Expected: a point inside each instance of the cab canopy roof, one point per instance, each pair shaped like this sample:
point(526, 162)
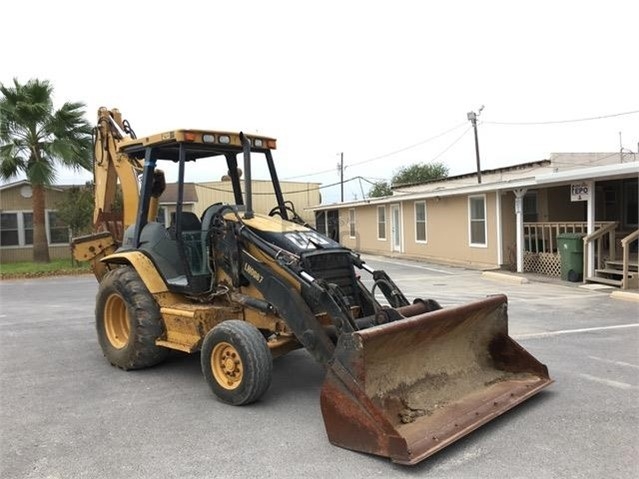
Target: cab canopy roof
point(199, 144)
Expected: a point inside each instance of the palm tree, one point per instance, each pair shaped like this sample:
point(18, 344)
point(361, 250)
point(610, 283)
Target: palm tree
point(35, 139)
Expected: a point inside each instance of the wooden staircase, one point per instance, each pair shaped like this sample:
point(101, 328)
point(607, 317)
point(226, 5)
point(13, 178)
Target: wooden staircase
point(618, 273)
point(612, 274)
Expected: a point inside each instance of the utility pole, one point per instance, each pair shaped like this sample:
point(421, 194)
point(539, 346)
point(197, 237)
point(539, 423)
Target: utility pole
point(472, 116)
point(340, 167)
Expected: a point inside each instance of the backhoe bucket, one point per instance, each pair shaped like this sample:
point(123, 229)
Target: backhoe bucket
point(409, 388)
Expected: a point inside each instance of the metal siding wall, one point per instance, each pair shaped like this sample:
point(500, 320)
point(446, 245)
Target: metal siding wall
point(12, 200)
point(447, 231)
point(303, 196)
point(366, 231)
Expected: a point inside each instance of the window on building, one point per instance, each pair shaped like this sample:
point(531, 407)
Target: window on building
point(477, 220)
point(9, 229)
point(631, 209)
point(381, 222)
point(530, 207)
point(27, 222)
point(351, 222)
point(58, 230)
point(420, 222)
point(16, 229)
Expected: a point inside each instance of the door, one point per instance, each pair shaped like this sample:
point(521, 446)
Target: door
point(396, 229)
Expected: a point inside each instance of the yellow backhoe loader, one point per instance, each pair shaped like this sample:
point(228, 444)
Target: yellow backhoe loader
point(403, 380)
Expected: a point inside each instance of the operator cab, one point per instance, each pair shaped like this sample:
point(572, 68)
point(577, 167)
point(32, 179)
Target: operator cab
point(181, 251)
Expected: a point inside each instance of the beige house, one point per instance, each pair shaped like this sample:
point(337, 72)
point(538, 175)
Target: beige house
point(16, 211)
point(510, 220)
point(16, 223)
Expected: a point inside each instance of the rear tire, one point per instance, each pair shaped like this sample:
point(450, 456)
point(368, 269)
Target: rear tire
point(236, 362)
point(128, 321)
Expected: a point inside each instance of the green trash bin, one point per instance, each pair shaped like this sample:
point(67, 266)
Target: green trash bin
point(571, 251)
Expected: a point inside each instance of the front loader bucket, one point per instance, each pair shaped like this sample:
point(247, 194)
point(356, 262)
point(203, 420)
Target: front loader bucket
point(409, 388)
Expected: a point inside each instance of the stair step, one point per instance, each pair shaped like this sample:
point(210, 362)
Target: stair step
point(632, 266)
point(608, 281)
point(615, 272)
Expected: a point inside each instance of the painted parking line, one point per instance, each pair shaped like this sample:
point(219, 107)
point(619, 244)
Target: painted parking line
point(616, 363)
point(550, 334)
point(609, 382)
point(409, 265)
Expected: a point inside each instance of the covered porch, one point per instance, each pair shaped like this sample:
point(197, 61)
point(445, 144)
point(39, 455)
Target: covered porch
point(601, 212)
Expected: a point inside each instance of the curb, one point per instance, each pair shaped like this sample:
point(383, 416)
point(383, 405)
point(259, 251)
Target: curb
point(625, 295)
point(509, 278)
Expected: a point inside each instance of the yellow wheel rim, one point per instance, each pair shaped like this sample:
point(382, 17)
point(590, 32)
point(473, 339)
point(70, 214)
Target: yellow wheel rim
point(116, 321)
point(226, 365)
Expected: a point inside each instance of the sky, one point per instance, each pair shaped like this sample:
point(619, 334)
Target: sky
point(375, 81)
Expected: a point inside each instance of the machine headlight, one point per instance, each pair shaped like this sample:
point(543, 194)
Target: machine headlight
point(258, 143)
point(224, 139)
point(208, 138)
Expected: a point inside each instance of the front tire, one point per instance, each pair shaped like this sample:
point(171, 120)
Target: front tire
point(128, 321)
point(236, 362)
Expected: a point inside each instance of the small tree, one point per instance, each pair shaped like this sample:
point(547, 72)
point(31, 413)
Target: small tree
point(76, 209)
point(419, 173)
point(379, 189)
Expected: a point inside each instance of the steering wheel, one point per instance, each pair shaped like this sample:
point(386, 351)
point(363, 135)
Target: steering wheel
point(288, 206)
point(277, 212)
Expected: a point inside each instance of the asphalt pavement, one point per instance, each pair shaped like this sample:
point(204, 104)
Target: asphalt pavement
point(66, 413)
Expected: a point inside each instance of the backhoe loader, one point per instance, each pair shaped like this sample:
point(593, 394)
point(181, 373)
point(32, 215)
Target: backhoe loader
point(403, 380)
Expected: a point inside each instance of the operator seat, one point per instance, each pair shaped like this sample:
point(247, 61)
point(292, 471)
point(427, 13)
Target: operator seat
point(191, 240)
point(190, 221)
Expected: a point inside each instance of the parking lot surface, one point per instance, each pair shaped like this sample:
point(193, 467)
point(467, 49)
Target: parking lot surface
point(66, 413)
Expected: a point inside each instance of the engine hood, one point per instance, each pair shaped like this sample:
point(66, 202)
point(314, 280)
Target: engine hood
point(287, 235)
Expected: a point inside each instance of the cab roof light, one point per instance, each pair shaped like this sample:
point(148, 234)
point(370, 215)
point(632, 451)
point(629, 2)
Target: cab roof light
point(271, 144)
point(258, 143)
point(189, 136)
point(224, 139)
point(208, 138)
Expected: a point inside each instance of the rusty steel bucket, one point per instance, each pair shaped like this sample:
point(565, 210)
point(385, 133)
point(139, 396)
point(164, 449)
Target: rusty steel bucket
point(409, 388)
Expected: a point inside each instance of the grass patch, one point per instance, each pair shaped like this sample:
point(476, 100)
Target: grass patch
point(29, 269)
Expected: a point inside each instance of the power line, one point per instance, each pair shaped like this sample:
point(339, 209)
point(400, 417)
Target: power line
point(385, 155)
point(554, 122)
point(308, 174)
point(457, 140)
point(452, 144)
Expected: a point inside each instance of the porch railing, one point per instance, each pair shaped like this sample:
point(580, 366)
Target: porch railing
point(541, 237)
point(625, 244)
point(607, 231)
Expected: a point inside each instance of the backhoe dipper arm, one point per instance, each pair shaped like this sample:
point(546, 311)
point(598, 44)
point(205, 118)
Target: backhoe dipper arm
point(111, 165)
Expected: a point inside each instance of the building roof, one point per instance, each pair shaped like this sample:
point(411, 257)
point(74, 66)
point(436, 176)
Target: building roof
point(561, 168)
point(170, 194)
point(15, 184)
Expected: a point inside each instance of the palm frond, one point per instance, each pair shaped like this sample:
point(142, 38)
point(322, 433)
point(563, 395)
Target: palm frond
point(42, 137)
point(40, 172)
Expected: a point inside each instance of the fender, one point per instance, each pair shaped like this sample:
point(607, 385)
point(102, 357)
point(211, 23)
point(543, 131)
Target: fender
point(144, 267)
